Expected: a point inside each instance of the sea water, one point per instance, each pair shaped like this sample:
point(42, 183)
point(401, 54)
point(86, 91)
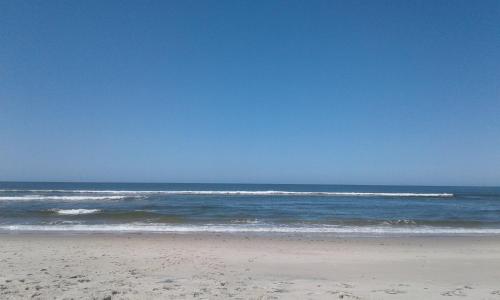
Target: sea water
point(264, 208)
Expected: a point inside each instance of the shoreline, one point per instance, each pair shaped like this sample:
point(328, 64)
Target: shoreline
point(248, 266)
point(263, 235)
point(341, 231)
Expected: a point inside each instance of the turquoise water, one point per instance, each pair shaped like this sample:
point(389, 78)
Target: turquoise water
point(249, 208)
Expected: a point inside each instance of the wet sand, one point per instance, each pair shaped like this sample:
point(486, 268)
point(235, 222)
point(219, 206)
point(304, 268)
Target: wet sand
point(210, 266)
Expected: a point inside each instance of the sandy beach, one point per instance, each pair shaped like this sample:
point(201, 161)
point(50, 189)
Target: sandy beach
point(209, 266)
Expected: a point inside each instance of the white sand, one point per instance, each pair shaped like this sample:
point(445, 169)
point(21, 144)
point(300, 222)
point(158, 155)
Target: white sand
point(205, 266)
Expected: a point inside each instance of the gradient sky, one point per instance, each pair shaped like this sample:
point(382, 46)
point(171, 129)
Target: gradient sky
point(353, 92)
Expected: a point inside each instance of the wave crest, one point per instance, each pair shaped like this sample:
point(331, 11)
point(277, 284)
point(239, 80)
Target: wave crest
point(235, 193)
point(78, 211)
point(59, 198)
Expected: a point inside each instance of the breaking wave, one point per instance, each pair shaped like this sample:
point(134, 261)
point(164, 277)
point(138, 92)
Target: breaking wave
point(233, 193)
point(79, 211)
point(363, 230)
point(59, 198)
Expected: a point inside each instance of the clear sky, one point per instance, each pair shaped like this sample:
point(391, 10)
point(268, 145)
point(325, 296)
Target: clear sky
point(356, 92)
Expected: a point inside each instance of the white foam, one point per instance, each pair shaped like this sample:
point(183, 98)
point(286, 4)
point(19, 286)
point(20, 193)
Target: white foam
point(79, 211)
point(246, 193)
point(59, 198)
point(364, 230)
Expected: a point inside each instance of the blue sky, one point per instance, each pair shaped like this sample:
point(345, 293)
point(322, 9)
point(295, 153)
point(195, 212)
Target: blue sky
point(354, 92)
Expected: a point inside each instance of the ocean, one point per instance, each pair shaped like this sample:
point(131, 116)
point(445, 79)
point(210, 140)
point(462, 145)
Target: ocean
point(262, 208)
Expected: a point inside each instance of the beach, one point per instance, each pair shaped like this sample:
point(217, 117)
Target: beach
point(249, 150)
point(246, 266)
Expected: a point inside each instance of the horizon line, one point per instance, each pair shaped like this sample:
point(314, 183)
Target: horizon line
point(241, 183)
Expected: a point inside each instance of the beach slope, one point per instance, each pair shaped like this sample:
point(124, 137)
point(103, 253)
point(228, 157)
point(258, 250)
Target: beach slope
point(209, 266)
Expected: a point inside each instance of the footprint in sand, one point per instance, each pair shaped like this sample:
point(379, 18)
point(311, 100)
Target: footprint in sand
point(344, 295)
point(455, 292)
point(391, 291)
point(394, 291)
point(345, 285)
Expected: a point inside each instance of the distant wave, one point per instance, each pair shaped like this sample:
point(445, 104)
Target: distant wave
point(70, 198)
point(244, 193)
point(356, 230)
point(79, 211)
